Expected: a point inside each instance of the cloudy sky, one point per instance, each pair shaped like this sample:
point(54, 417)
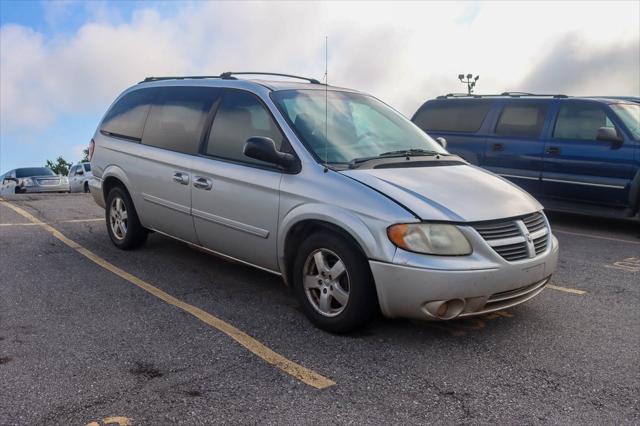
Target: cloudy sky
point(62, 63)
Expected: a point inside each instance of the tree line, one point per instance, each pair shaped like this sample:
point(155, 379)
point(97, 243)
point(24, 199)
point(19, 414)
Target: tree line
point(60, 166)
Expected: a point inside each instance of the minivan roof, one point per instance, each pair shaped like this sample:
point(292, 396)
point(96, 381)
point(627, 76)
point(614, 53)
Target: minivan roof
point(229, 79)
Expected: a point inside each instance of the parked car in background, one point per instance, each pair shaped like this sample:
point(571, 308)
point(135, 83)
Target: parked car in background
point(35, 179)
point(576, 154)
point(358, 213)
point(79, 176)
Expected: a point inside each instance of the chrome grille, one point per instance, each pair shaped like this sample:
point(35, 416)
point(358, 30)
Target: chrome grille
point(535, 222)
point(496, 231)
point(513, 252)
point(517, 238)
point(540, 244)
point(48, 182)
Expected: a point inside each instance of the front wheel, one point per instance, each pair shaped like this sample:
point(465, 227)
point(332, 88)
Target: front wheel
point(123, 224)
point(333, 283)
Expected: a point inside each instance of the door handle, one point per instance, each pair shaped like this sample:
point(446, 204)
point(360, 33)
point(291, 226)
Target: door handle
point(498, 147)
point(553, 150)
point(180, 177)
point(202, 183)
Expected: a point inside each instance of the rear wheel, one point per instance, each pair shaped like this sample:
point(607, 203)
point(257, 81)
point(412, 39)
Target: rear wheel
point(333, 283)
point(123, 225)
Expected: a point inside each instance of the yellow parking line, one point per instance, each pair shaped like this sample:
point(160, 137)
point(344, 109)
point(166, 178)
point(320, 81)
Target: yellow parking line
point(301, 373)
point(99, 219)
point(600, 237)
point(566, 289)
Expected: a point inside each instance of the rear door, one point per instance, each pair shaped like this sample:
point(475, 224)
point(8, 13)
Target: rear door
point(579, 167)
point(514, 148)
point(172, 135)
point(235, 198)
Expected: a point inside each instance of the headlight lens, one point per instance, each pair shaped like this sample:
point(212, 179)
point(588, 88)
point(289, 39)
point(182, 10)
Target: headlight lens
point(430, 238)
point(27, 182)
point(64, 179)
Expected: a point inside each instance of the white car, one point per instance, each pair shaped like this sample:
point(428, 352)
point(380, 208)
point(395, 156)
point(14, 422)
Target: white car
point(79, 176)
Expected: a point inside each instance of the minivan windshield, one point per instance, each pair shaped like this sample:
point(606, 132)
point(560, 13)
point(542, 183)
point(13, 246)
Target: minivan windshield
point(34, 171)
point(630, 114)
point(342, 127)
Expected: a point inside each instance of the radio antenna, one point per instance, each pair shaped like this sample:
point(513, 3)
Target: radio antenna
point(326, 101)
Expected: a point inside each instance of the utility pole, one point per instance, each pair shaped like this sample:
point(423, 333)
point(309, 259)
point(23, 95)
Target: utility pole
point(470, 81)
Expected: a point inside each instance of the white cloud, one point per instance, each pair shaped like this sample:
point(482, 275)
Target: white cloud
point(404, 53)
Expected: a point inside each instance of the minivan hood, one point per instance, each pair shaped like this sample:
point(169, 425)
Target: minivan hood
point(461, 193)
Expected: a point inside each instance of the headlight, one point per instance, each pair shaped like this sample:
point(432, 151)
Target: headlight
point(64, 179)
point(430, 238)
point(27, 182)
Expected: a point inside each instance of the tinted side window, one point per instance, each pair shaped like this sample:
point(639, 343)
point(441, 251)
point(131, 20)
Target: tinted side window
point(240, 116)
point(177, 117)
point(87, 167)
point(522, 120)
point(452, 116)
point(126, 118)
point(580, 122)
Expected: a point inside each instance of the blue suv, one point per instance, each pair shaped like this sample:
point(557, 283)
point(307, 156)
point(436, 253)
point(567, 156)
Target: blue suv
point(577, 154)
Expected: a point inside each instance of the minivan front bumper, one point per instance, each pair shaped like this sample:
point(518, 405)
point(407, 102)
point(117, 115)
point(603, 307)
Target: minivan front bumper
point(417, 292)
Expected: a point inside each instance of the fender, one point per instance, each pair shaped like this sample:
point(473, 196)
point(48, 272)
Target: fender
point(374, 245)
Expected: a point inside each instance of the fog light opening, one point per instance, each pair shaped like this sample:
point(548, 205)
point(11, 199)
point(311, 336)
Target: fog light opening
point(444, 309)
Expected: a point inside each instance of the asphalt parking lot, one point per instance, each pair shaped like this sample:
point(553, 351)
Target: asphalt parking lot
point(167, 334)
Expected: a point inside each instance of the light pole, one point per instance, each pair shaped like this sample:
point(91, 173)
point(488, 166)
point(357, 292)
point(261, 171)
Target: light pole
point(470, 81)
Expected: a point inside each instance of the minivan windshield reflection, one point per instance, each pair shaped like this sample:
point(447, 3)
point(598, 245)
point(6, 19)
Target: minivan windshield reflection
point(358, 126)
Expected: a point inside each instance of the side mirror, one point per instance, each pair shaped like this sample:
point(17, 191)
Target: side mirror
point(264, 149)
point(442, 141)
point(608, 134)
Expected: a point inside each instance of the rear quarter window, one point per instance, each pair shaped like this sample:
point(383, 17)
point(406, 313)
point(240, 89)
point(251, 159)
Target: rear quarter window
point(452, 116)
point(127, 116)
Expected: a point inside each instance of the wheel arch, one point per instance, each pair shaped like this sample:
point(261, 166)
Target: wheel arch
point(306, 219)
point(115, 176)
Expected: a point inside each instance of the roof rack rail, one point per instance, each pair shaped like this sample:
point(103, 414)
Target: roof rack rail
point(510, 94)
point(519, 94)
point(182, 77)
point(230, 74)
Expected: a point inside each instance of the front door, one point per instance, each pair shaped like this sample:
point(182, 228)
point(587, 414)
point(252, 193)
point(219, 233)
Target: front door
point(235, 199)
point(579, 167)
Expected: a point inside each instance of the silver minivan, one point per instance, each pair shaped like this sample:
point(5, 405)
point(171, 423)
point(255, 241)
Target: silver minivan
point(353, 205)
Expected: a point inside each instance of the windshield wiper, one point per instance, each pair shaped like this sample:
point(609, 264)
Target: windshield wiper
point(408, 152)
point(390, 154)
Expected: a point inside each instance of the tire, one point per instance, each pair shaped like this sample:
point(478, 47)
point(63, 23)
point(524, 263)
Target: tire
point(328, 249)
point(86, 187)
point(123, 225)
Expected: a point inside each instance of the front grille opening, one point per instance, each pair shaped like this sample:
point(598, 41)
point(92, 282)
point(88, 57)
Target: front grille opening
point(512, 228)
point(498, 231)
point(513, 252)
